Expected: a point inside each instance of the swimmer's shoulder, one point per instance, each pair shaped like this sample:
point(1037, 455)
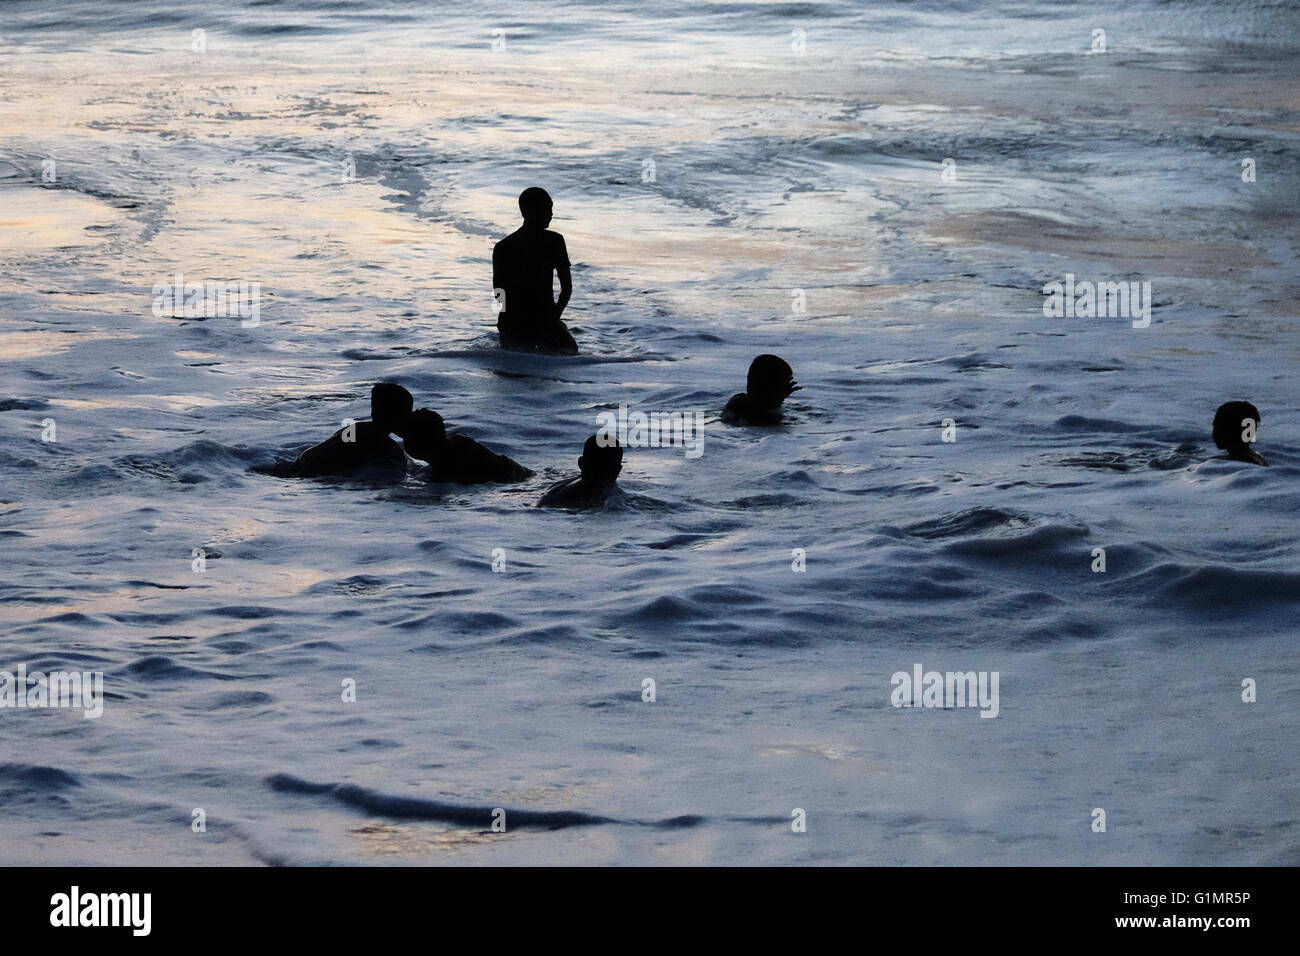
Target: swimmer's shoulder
point(508, 244)
point(1254, 457)
point(371, 446)
point(737, 411)
point(467, 462)
point(556, 242)
point(569, 493)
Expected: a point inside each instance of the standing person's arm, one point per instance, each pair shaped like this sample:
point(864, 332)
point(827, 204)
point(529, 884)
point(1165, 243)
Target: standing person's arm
point(498, 279)
point(566, 279)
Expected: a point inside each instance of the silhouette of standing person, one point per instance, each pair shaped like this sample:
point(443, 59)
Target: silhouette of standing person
point(523, 264)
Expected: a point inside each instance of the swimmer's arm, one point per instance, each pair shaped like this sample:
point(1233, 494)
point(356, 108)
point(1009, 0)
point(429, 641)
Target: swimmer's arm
point(566, 280)
point(316, 459)
point(498, 273)
point(559, 494)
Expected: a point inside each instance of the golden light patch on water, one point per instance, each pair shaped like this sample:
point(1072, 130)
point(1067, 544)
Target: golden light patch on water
point(1159, 255)
point(301, 236)
point(542, 797)
point(380, 838)
point(834, 218)
point(552, 788)
point(16, 346)
point(17, 612)
point(816, 750)
point(692, 847)
point(296, 204)
point(689, 256)
point(140, 434)
point(170, 403)
point(90, 404)
point(903, 366)
point(127, 599)
point(241, 529)
point(35, 219)
point(122, 600)
point(238, 582)
point(181, 584)
point(280, 582)
point(185, 403)
point(1284, 305)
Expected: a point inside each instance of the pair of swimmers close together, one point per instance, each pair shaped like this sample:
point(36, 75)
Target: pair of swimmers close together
point(461, 460)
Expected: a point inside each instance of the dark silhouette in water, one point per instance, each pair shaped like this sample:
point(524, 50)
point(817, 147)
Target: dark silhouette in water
point(523, 264)
point(600, 466)
point(769, 383)
point(455, 458)
point(364, 444)
point(1230, 426)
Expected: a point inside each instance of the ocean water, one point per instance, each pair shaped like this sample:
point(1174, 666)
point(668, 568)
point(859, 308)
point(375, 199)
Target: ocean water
point(714, 167)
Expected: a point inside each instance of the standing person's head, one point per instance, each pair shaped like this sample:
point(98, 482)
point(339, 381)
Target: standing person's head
point(535, 204)
point(389, 405)
point(600, 463)
point(423, 433)
point(1231, 426)
point(770, 381)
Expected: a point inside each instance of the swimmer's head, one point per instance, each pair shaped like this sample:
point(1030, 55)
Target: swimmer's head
point(389, 404)
point(535, 204)
point(423, 433)
point(599, 462)
point(1234, 422)
point(770, 380)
